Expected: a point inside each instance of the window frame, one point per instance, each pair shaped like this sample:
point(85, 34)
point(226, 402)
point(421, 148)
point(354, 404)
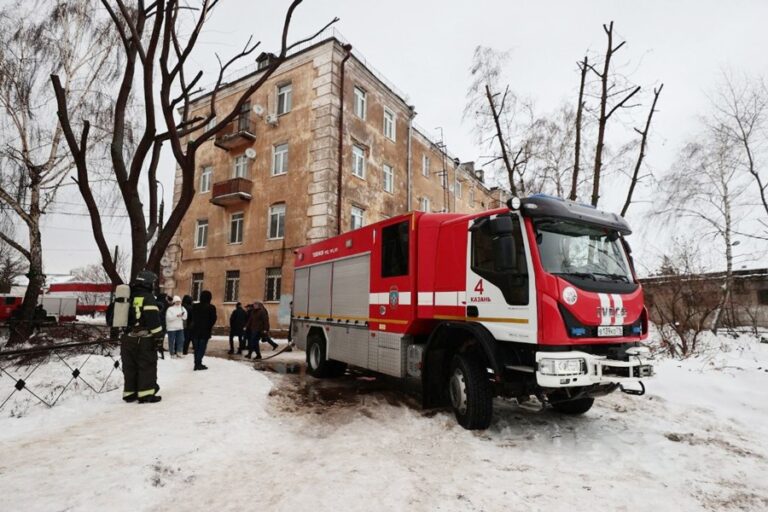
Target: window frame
point(390, 175)
point(283, 159)
point(360, 102)
point(358, 158)
point(201, 223)
point(425, 205)
point(392, 124)
point(458, 190)
point(241, 223)
point(229, 277)
point(206, 177)
point(196, 297)
point(352, 211)
point(425, 164)
point(246, 166)
point(277, 286)
point(288, 101)
point(274, 209)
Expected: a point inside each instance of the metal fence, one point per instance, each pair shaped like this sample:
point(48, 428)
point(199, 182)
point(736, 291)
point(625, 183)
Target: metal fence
point(20, 365)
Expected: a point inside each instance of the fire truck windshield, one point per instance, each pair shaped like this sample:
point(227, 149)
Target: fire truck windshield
point(582, 251)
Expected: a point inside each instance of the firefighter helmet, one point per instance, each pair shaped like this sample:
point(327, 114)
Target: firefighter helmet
point(146, 279)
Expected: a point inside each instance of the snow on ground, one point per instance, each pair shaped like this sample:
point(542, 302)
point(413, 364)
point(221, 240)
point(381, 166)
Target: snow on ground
point(232, 438)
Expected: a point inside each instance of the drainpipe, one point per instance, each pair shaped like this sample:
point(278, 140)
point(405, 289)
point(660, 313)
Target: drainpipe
point(408, 164)
point(348, 53)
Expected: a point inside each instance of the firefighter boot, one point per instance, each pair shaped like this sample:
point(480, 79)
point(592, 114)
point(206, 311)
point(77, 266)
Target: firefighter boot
point(150, 399)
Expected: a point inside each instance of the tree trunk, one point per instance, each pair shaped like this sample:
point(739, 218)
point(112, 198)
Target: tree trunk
point(24, 328)
point(502, 143)
point(577, 148)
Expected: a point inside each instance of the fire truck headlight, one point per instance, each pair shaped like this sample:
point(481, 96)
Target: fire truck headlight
point(562, 366)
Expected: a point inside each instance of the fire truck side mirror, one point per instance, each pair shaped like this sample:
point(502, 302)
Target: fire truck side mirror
point(505, 253)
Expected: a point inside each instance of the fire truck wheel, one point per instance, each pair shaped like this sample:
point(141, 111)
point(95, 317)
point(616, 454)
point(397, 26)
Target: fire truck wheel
point(578, 406)
point(318, 364)
point(470, 392)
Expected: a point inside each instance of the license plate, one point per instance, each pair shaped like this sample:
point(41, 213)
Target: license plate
point(610, 330)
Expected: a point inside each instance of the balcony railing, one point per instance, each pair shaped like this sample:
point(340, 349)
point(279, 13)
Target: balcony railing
point(231, 191)
point(238, 133)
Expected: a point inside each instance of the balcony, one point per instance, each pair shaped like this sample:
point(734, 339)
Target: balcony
point(232, 191)
point(240, 132)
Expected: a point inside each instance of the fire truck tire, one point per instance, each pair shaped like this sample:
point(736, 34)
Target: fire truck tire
point(470, 392)
point(318, 365)
point(574, 407)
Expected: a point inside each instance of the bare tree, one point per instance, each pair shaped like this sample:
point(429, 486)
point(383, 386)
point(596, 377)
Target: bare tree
point(65, 38)
point(741, 112)
point(680, 302)
point(704, 188)
point(496, 112)
point(158, 39)
point(583, 66)
point(641, 154)
point(12, 263)
point(609, 89)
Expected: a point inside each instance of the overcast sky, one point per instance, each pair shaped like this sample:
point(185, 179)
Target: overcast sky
point(425, 49)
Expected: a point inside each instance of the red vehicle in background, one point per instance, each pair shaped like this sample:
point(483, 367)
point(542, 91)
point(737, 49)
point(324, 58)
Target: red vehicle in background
point(91, 297)
point(539, 298)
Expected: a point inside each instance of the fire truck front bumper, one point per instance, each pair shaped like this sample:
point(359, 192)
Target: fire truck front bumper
point(575, 368)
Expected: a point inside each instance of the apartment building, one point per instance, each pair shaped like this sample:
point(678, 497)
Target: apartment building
point(324, 147)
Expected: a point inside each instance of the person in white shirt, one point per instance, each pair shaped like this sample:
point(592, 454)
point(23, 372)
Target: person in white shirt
point(175, 316)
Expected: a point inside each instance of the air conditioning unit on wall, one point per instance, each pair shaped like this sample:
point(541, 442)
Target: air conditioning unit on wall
point(271, 119)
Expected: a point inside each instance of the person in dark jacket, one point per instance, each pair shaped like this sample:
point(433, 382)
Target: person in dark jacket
point(236, 328)
point(248, 314)
point(203, 320)
point(186, 303)
point(258, 323)
point(138, 347)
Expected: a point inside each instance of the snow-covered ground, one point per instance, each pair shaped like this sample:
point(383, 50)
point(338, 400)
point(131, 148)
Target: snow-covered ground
point(233, 438)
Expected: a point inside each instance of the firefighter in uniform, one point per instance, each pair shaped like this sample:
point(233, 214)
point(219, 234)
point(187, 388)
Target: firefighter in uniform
point(138, 349)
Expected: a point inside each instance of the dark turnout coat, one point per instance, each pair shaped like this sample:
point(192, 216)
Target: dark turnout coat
point(203, 317)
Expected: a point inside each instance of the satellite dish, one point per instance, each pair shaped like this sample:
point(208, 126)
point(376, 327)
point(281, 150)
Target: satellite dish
point(250, 153)
point(164, 261)
point(258, 110)
point(167, 272)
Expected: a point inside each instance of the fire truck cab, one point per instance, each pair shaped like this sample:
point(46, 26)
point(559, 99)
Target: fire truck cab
point(539, 298)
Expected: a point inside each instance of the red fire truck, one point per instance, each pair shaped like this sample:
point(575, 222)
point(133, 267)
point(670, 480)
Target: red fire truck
point(539, 298)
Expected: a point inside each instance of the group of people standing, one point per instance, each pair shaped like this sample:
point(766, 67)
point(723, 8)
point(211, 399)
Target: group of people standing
point(250, 325)
point(186, 322)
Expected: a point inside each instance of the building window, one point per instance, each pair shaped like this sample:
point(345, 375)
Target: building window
point(211, 124)
point(358, 161)
point(232, 286)
point(197, 286)
point(244, 117)
point(389, 178)
point(276, 221)
point(389, 124)
point(284, 99)
point(458, 189)
point(424, 204)
point(279, 159)
point(236, 228)
point(241, 167)
point(205, 179)
point(425, 165)
point(201, 234)
point(273, 282)
point(357, 218)
point(360, 103)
